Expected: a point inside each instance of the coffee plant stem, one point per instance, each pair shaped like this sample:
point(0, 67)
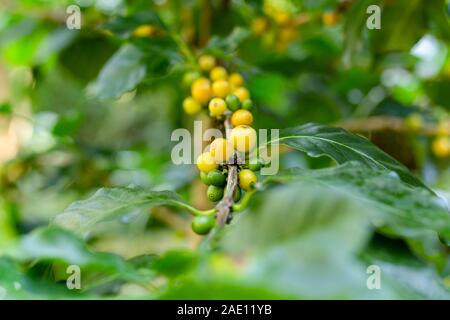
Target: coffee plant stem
point(197, 212)
point(244, 202)
point(224, 206)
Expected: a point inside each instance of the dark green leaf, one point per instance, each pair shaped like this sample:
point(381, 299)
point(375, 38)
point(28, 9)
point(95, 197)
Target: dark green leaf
point(108, 204)
point(318, 140)
point(224, 46)
point(58, 245)
point(405, 211)
point(122, 73)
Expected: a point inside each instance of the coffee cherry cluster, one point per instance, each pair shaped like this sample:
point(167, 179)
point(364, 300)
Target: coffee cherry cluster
point(226, 98)
point(277, 27)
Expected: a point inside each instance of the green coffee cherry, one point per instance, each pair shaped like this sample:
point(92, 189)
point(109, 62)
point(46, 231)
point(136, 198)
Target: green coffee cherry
point(247, 104)
point(190, 77)
point(233, 102)
point(203, 224)
point(204, 178)
point(214, 193)
point(216, 178)
point(237, 194)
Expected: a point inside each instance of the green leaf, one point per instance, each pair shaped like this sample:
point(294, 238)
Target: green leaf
point(59, 245)
point(354, 25)
point(175, 262)
point(438, 16)
point(405, 211)
point(303, 240)
point(122, 73)
point(318, 140)
point(108, 204)
point(5, 108)
point(409, 277)
point(15, 284)
point(222, 46)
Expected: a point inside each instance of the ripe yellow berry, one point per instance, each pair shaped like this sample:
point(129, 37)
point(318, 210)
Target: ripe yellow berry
point(206, 162)
point(246, 179)
point(243, 138)
point(218, 73)
point(221, 88)
point(217, 107)
point(221, 149)
point(242, 93)
point(259, 25)
point(330, 18)
point(206, 62)
point(201, 90)
point(144, 31)
point(191, 106)
point(241, 117)
point(282, 17)
point(441, 147)
point(235, 79)
point(288, 34)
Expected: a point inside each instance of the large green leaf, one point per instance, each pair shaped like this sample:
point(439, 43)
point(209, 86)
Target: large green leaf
point(122, 73)
point(318, 140)
point(305, 239)
point(405, 211)
point(107, 204)
point(302, 240)
point(59, 245)
point(15, 284)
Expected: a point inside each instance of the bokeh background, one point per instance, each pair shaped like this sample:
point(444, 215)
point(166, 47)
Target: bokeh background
point(92, 108)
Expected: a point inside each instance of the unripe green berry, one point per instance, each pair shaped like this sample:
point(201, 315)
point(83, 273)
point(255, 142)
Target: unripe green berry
point(204, 178)
point(214, 193)
point(216, 178)
point(247, 104)
point(203, 224)
point(233, 102)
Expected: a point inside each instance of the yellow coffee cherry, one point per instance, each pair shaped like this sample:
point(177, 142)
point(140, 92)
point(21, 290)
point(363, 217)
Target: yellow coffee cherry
point(206, 162)
point(241, 117)
point(201, 90)
point(221, 88)
point(259, 25)
point(221, 149)
point(282, 17)
point(441, 147)
point(288, 34)
point(414, 122)
point(191, 106)
point(330, 18)
point(243, 138)
point(246, 179)
point(206, 62)
point(217, 107)
point(236, 80)
point(144, 31)
point(242, 93)
point(218, 73)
